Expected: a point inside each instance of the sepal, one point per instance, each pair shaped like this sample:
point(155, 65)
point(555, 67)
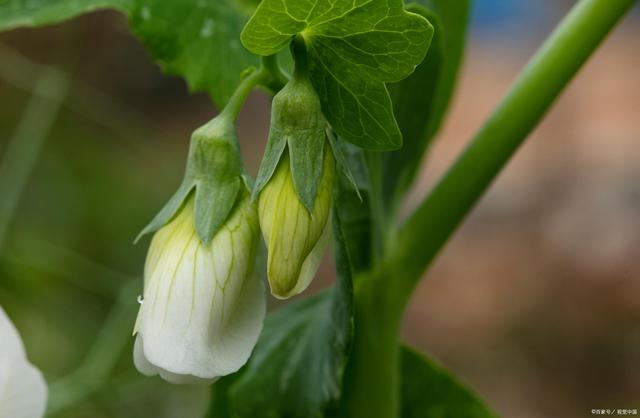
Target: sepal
point(214, 174)
point(297, 123)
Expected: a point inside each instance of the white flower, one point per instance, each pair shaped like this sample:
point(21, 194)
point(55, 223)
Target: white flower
point(203, 304)
point(23, 391)
point(296, 239)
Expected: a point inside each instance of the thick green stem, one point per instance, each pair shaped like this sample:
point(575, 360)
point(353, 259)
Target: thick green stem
point(539, 84)
point(372, 383)
point(372, 379)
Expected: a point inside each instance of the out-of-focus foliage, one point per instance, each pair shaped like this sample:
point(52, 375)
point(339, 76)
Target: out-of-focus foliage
point(198, 40)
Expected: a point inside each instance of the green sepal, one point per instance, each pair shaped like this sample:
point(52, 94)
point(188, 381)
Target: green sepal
point(168, 211)
point(306, 157)
point(214, 173)
point(272, 154)
point(297, 123)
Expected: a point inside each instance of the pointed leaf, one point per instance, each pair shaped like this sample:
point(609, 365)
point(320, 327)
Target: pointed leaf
point(354, 48)
point(196, 39)
point(199, 40)
point(429, 391)
point(429, 89)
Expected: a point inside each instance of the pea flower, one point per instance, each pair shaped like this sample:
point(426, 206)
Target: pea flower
point(295, 184)
point(23, 391)
point(203, 304)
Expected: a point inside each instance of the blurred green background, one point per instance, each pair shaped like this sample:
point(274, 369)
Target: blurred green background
point(535, 303)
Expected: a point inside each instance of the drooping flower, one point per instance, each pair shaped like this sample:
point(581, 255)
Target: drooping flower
point(203, 304)
point(23, 391)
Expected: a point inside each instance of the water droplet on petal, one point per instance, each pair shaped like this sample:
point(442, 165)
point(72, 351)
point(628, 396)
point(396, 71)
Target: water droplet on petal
point(140, 299)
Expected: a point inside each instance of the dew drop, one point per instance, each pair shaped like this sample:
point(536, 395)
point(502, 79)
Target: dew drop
point(140, 299)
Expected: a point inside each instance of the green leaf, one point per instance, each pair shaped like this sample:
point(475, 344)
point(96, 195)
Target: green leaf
point(428, 89)
point(297, 366)
point(196, 39)
point(353, 203)
point(220, 404)
point(30, 13)
point(354, 48)
point(429, 391)
point(454, 16)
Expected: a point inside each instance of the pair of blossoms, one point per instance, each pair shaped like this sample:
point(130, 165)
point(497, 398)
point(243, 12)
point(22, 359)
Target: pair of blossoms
point(204, 301)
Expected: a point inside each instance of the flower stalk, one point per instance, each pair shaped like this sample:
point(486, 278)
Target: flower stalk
point(439, 214)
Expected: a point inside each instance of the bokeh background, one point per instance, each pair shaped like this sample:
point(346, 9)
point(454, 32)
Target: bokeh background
point(535, 302)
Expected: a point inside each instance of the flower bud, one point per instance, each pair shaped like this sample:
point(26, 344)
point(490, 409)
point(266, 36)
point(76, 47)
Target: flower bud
point(296, 238)
point(203, 304)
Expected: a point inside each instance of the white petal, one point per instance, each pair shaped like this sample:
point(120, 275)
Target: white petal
point(23, 392)
point(10, 342)
point(148, 369)
point(203, 309)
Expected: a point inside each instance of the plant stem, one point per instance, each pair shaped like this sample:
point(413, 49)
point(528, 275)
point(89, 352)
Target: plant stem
point(277, 76)
point(372, 378)
point(269, 75)
point(22, 152)
point(536, 88)
point(103, 356)
point(247, 84)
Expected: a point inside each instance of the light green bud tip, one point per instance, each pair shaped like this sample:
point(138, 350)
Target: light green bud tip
point(296, 239)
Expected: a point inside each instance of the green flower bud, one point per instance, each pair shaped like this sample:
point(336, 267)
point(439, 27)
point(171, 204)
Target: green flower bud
point(295, 183)
point(296, 237)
